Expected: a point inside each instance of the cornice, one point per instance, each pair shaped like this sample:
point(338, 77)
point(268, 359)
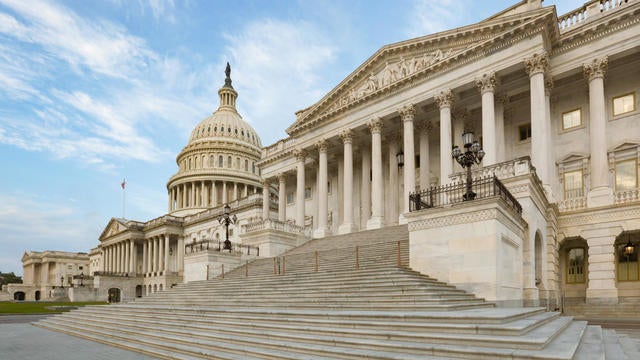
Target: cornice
point(541, 21)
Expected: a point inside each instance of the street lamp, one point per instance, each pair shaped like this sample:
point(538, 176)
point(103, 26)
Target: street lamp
point(472, 155)
point(61, 281)
point(226, 219)
point(81, 278)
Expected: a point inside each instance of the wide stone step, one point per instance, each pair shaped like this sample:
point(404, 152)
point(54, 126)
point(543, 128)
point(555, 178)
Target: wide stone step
point(537, 337)
point(511, 328)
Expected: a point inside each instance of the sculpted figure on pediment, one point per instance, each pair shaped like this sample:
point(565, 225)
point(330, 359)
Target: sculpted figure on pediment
point(388, 75)
point(404, 69)
point(371, 85)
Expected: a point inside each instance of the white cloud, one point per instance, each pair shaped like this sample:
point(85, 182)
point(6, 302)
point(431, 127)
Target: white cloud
point(279, 70)
point(428, 17)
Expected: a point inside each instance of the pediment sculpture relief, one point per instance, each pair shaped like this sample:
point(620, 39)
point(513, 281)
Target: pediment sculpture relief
point(392, 72)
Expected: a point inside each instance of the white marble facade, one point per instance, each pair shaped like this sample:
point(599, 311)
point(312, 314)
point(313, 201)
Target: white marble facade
point(553, 100)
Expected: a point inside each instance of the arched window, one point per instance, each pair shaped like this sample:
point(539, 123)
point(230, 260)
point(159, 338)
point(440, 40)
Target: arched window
point(246, 165)
point(211, 161)
point(229, 161)
point(220, 164)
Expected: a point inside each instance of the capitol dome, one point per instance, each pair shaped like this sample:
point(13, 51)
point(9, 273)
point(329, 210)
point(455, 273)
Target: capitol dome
point(218, 164)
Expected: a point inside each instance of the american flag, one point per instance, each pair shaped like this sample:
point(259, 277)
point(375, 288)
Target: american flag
point(123, 184)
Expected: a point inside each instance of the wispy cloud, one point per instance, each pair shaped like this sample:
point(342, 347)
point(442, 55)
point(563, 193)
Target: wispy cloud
point(49, 52)
point(428, 17)
point(39, 227)
point(279, 68)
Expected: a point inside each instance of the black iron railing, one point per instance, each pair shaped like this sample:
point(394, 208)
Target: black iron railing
point(450, 194)
point(218, 245)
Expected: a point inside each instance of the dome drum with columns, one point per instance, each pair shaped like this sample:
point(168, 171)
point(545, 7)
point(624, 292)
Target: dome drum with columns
point(218, 165)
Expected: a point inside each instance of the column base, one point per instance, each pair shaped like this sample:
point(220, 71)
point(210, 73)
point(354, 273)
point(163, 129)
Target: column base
point(346, 228)
point(402, 220)
point(600, 196)
point(531, 297)
point(321, 232)
point(602, 296)
point(376, 222)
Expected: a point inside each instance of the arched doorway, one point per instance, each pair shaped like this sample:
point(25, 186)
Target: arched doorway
point(37, 295)
point(139, 291)
point(627, 265)
point(574, 265)
point(538, 259)
point(18, 295)
point(114, 295)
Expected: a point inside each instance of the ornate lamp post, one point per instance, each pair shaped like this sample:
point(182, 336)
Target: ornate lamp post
point(81, 278)
point(62, 281)
point(473, 155)
point(226, 219)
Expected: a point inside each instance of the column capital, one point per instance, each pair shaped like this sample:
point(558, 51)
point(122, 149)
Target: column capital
point(537, 63)
point(502, 98)
point(444, 98)
point(487, 82)
point(548, 84)
point(322, 145)
point(282, 177)
point(265, 182)
point(375, 125)
point(300, 154)
point(426, 126)
point(595, 69)
point(346, 136)
point(407, 112)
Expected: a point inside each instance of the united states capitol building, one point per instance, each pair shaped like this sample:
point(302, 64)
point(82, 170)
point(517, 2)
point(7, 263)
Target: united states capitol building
point(554, 218)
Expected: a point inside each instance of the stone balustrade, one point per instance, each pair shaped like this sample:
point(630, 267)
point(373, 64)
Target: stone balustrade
point(588, 12)
point(272, 224)
point(278, 147)
point(503, 170)
point(626, 196)
point(572, 204)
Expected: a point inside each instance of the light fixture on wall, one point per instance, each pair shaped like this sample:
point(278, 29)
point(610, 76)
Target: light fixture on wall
point(629, 248)
point(400, 159)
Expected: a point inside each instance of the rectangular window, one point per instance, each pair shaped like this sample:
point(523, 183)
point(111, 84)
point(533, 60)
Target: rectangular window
point(626, 175)
point(627, 264)
point(524, 131)
point(290, 198)
point(571, 119)
point(307, 193)
point(575, 266)
point(624, 104)
point(573, 184)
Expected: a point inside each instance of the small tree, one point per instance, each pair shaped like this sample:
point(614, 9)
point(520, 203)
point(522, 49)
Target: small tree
point(9, 278)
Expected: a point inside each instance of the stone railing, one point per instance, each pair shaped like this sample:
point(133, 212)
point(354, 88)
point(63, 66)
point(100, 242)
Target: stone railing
point(503, 170)
point(278, 146)
point(166, 219)
point(272, 224)
point(572, 204)
point(587, 12)
point(218, 246)
point(626, 196)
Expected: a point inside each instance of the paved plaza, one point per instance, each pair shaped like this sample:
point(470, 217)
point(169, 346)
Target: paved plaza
point(20, 340)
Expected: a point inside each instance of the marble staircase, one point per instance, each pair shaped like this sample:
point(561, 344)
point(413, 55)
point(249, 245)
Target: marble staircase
point(376, 310)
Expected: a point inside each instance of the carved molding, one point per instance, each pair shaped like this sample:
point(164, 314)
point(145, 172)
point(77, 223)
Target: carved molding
point(464, 218)
point(596, 69)
point(300, 154)
point(487, 82)
point(538, 63)
point(444, 98)
point(548, 85)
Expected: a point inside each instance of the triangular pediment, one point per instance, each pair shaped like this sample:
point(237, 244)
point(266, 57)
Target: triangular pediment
point(571, 157)
point(624, 145)
point(114, 227)
point(401, 64)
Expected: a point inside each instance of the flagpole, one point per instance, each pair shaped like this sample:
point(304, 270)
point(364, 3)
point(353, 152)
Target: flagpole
point(123, 185)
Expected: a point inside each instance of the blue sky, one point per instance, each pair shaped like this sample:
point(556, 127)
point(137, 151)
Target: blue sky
point(92, 92)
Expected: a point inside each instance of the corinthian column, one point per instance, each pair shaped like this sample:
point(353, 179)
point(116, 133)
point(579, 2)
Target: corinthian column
point(487, 85)
point(282, 197)
point(424, 130)
point(301, 155)
point(444, 100)
point(365, 188)
point(540, 136)
point(166, 254)
point(600, 192)
point(323, 190)
point(377, 190)
point(407, 114)
point(265, 199)
point(347, 201)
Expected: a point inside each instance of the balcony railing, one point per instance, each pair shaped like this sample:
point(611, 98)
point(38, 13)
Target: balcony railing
point(218, 245)
point(587, 12)
point(450, 194)
point(272, 224)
